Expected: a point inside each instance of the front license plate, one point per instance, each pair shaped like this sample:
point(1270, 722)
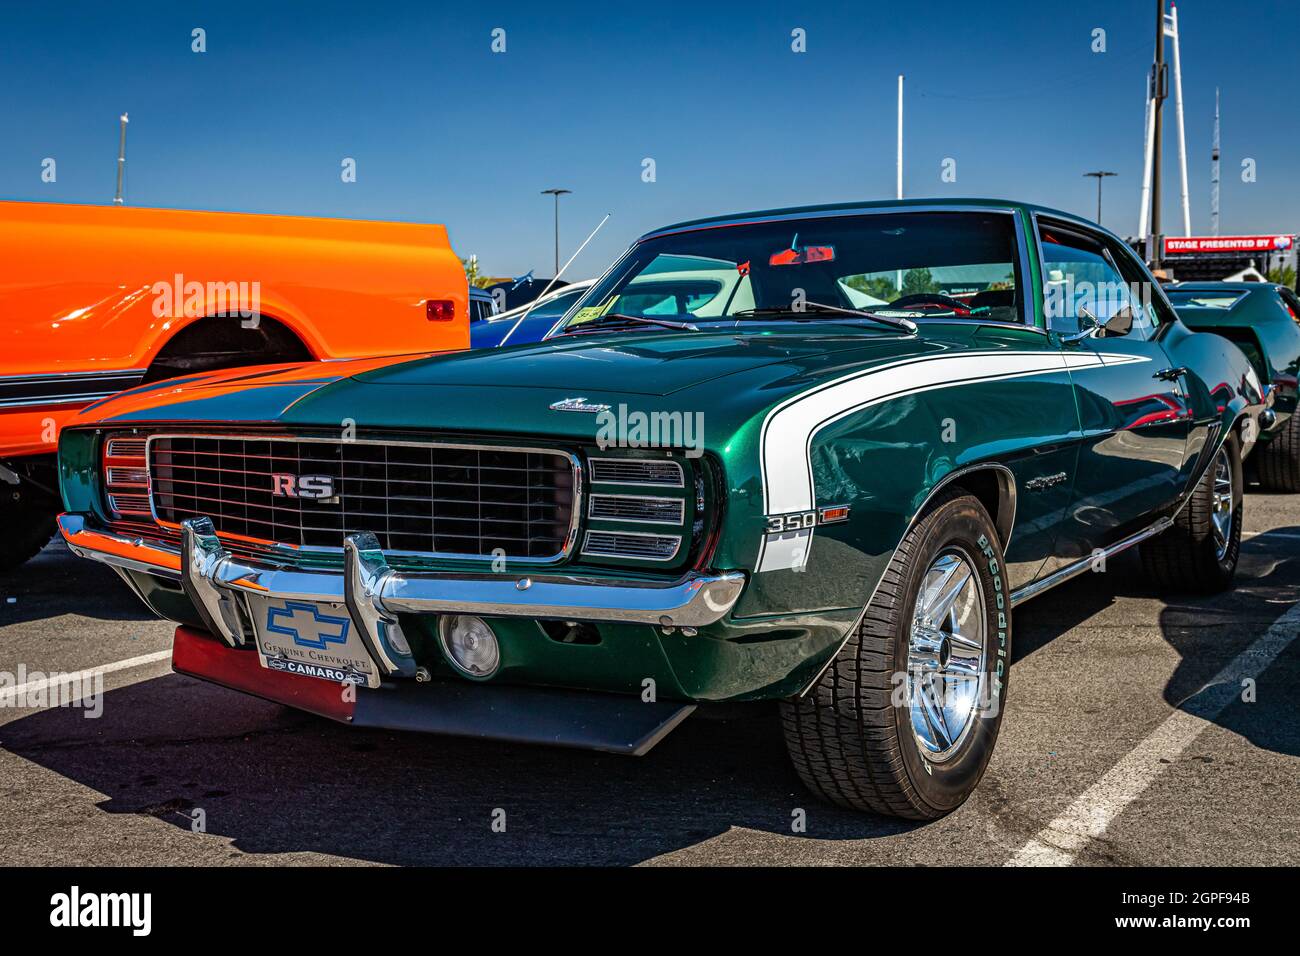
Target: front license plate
point(312, 639)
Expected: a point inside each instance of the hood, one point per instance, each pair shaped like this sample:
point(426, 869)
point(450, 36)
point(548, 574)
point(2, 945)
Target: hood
point(249, 394)
point(514, 390)
point(635, 363)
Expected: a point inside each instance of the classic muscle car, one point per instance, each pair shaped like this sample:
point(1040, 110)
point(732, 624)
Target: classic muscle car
point(1263, 319)
point(95, 299)
point(829, 491)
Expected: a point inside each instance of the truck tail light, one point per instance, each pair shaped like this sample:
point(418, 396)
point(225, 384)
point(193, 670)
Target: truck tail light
point(126, 477)
point(440, 310)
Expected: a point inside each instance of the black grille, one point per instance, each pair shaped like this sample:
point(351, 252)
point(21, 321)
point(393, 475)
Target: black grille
point(425, 498)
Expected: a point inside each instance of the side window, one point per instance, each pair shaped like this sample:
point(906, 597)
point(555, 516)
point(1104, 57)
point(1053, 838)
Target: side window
point(1156, 309)
point(1081, 279)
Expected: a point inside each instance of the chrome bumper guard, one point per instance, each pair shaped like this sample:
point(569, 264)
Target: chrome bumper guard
point(374, 594)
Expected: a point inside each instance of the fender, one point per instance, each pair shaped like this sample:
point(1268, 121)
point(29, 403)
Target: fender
point(1004, 521)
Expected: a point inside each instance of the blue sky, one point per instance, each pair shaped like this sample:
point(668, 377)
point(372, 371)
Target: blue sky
point(444, 130)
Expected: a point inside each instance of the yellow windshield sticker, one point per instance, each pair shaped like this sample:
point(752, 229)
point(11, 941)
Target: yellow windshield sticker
point(592, 312)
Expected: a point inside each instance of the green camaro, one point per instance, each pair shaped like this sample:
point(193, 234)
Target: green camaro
point(813, 456)
point(1263, 319)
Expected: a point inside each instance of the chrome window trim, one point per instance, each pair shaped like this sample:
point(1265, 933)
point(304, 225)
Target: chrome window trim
point(677, 547)
point(679, 502)
point(681, 473)
point(575, 469)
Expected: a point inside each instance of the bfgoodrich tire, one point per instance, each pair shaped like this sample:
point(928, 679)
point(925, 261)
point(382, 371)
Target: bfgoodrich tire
point(904, 720)
point(1199, 553)
point(1277, 461)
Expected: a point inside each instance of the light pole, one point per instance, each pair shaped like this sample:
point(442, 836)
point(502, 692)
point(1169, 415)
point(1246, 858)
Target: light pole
point(1159, 88)
point(121, 159)
point(557, 193)
point(1100, 175)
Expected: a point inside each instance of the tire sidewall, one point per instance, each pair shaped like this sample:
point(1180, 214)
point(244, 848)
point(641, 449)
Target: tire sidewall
point(962, 523)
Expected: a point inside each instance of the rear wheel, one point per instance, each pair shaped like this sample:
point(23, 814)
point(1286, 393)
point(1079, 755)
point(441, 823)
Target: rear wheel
point(226, 342)
point(904, 719)
point(1199, 553)
point(1277, 461)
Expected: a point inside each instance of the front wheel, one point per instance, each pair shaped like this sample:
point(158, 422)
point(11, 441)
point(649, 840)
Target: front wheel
point(904, 719)
point(1199, 553)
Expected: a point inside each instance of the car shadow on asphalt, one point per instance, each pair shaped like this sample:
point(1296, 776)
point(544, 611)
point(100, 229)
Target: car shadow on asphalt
point(1206, 631)
point(57, 582)
point(273, 780)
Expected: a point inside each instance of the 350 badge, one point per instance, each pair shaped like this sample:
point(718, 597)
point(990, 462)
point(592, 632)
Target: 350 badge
point(802, 520)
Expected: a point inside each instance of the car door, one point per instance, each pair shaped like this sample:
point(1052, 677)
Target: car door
point(1131, 402)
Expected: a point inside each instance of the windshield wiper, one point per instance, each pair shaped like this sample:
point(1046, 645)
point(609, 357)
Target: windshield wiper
point(608, 317)
point(907, 325)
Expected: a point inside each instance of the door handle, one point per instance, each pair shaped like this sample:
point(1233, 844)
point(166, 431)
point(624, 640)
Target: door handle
point(1171, 374)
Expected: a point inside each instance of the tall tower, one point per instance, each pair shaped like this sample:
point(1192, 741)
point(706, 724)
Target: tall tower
point(1214, 170)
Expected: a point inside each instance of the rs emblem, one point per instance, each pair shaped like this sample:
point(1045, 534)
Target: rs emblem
point(302, 486)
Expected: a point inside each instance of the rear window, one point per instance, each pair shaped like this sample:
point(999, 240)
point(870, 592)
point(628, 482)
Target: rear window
point(1203, 299)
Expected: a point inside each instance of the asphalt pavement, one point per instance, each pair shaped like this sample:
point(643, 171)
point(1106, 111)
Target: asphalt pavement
point(1139, 730)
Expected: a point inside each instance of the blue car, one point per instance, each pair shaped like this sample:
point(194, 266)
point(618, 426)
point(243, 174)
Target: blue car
point(507, 329)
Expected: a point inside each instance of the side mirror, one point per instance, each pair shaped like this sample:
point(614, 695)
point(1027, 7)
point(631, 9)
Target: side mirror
point(1121, 323)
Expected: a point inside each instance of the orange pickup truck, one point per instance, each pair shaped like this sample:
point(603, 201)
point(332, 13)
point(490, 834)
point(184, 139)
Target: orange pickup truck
point(96, 299)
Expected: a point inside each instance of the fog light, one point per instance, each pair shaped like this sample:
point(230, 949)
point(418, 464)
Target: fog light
point(470, 645)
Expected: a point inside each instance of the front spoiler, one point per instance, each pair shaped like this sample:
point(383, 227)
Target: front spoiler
point(216, 581)
point(533, 715)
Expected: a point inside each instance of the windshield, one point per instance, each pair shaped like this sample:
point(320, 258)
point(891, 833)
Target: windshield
point(916, 265)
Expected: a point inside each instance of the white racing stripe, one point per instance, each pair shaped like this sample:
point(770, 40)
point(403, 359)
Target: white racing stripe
point(10, 694)
point(789, 428)
point(1058, 843)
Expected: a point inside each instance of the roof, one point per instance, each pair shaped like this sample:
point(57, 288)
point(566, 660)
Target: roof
point(805, 212)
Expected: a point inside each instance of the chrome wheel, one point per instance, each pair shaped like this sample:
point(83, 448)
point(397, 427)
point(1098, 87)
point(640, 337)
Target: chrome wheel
point(946, 655)
point(1221, 509)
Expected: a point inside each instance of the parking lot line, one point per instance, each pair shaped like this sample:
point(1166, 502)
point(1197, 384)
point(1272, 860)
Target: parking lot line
point(10, 694)
point(1058, 843)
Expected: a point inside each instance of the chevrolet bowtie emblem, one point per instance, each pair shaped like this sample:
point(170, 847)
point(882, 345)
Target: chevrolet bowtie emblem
point(577, 405)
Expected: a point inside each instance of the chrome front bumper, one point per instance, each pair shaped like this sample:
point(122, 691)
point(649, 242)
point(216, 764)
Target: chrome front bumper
point(374, 594)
